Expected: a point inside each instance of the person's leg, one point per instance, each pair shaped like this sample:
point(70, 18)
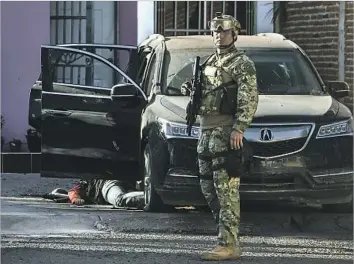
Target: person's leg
point(113, 192)
point(227, 193)
point(206, 173)
point(133, 199)
point(229, 219)
point(207, 187)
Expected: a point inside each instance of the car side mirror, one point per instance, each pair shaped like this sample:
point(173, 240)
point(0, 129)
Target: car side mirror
point(123, 90)
point(338, 89)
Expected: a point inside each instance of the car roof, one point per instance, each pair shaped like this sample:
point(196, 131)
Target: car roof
point(271, 40)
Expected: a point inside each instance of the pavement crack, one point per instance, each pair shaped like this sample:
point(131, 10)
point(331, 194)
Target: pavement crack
point(100, 225)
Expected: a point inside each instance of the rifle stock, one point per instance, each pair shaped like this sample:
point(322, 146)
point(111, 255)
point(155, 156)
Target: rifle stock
point(195, 96)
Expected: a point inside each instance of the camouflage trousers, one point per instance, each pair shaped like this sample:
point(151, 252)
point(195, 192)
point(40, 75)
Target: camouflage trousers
point(220, 191)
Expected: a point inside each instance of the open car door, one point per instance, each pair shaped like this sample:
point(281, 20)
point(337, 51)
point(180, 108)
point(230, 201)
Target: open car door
point(91, 111)
point(123, 56)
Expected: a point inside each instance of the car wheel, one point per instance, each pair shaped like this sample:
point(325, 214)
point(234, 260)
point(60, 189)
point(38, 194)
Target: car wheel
point(338, 208)
point(153, 202)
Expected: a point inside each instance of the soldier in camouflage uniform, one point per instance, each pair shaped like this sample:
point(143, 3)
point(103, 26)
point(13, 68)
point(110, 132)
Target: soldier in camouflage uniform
point(222, 131)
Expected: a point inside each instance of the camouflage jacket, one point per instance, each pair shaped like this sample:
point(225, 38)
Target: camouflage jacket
point(237, 70)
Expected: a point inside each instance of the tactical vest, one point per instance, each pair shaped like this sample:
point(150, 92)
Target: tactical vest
point(219, 90)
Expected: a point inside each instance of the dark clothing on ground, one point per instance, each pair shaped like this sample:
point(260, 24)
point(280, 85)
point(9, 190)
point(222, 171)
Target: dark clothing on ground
point(97, 191)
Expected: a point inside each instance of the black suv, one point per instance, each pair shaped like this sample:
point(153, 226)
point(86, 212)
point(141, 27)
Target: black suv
point(100, 121)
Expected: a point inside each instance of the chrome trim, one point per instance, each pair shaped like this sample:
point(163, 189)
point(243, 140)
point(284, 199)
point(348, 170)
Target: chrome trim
point(313, 126)
point(281, 124)
point(181, 137)
point(123, 95)
point(56, 112)
point(98, 46)
point(21, 153)
point(253, 133)
point(78, 86)
point(79, 95)
point(339, 135)
point(108, 63)
point(333, 174)
point(182, 175)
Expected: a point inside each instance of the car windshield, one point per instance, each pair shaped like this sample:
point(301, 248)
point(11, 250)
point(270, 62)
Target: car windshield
point(279, 72)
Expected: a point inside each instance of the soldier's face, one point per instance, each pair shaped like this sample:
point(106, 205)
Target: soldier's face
point(222, 38)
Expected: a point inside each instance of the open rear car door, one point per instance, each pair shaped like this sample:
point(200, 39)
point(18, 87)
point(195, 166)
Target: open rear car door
point(91, 111)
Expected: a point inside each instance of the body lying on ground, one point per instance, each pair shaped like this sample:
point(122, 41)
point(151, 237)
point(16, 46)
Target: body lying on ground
point(100, 192)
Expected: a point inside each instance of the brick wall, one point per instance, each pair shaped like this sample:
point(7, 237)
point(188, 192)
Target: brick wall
point(349, 43)
point(313, 25)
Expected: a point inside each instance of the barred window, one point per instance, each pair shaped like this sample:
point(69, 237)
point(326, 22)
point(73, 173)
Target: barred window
point(71, 22)
point(180, 18)
point(85, 22)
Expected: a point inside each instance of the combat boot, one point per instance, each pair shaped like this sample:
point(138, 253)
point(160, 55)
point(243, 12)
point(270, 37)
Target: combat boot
point(222, 253)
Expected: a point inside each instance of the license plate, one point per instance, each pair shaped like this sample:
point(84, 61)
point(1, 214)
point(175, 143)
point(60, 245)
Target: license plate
point(270, 164)
point(281, 163)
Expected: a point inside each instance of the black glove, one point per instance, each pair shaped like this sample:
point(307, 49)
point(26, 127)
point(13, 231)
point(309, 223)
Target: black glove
point(239, 160)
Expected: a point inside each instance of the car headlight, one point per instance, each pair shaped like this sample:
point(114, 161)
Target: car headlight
point(177, 130)
point(343, 128)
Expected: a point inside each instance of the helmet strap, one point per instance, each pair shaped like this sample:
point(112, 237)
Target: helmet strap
point(226, 46)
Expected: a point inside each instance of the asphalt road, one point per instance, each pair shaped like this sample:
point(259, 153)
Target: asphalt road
point(34, 230)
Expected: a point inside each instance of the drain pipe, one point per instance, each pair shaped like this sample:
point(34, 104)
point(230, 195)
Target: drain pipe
point(341, 46)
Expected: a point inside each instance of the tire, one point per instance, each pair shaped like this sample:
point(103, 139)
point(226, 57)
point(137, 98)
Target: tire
point(153, 202)
point(338, 208)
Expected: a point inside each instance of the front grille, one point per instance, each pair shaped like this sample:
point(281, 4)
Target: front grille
point(277, 148)
point(183, 153)
point(181, 178)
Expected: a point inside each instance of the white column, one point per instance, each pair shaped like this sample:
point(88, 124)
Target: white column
point(146, 19)
point(264, 16)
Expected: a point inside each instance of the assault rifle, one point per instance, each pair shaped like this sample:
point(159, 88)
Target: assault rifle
point(195, 96)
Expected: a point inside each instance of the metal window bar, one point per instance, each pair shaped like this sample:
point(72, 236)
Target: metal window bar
point(168, 9)
point(65, 20)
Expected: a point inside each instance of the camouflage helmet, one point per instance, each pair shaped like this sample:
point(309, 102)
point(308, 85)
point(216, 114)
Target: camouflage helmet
point(225, 22)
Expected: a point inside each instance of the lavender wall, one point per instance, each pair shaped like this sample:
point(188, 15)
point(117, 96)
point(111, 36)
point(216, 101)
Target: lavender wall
point(24, 28)
point(128, 20)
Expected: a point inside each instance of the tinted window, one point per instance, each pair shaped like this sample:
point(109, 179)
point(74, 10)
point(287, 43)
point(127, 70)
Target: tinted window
point(76, 73)
point(70, 69)
point(79, 69)
point(278, 72)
